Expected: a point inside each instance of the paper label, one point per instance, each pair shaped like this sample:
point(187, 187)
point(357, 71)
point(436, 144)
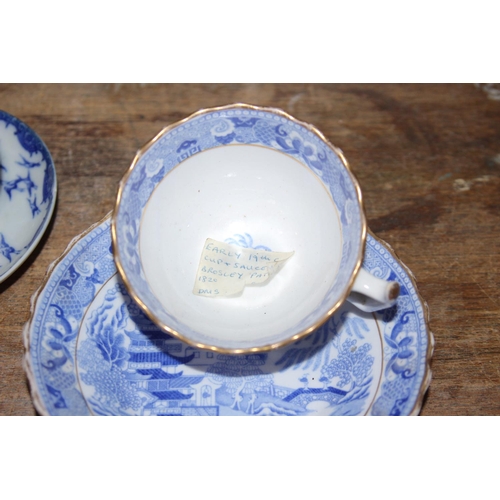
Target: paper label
point(224, 269)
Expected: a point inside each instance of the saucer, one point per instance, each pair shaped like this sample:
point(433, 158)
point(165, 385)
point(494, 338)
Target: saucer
point(27, 192)
point(90, 350)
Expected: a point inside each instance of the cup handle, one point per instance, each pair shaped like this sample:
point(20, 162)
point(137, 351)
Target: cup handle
point(370, 293)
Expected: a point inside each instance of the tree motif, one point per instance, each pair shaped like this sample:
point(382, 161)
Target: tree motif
point(111, 345)
point(353, 364)
point(354, 326)
point(106, 335)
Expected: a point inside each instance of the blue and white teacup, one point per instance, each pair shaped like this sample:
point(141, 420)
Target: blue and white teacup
point(261, 181)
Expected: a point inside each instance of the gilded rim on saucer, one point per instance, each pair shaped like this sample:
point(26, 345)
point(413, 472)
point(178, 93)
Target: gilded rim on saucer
point(38, 300)
point(426, 381)
point(27, 363)
point(170, 330)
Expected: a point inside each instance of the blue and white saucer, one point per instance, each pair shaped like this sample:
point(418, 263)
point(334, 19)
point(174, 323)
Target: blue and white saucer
point(91, 351)
point(27, 192)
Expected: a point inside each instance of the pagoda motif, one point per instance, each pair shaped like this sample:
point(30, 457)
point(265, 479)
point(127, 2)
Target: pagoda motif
point(153, 369)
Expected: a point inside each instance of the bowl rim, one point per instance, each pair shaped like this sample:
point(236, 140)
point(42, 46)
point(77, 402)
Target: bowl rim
point(247, 350)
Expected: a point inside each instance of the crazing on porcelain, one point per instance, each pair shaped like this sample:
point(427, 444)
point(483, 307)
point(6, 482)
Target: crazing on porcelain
point(27, 191)
point(93, 351)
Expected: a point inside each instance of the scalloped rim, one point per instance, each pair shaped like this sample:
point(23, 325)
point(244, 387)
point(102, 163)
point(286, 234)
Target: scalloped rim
point(267, 347)
point(426, 381)
point(35, 395)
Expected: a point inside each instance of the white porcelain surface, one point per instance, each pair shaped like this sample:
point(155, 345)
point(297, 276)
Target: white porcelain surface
point(238, 190)
point(27, 192)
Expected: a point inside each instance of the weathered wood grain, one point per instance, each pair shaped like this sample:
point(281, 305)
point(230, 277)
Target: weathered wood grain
point(427, 158)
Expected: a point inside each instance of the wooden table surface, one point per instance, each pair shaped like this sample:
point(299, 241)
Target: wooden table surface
point(427, 158)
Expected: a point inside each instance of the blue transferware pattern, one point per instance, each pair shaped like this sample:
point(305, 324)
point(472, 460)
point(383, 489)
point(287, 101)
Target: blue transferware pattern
point(92, 351)
point(245, 241)
point(225, 127)
point(27, 192)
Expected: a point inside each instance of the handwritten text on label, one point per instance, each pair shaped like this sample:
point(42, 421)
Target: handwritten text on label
point(224, 269)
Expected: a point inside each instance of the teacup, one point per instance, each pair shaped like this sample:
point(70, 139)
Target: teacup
point(260, 181)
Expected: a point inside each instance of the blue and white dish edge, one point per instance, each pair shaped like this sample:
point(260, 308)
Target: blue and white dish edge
point(28, 190)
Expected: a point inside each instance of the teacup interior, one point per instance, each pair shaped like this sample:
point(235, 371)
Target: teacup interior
point(258, 197)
